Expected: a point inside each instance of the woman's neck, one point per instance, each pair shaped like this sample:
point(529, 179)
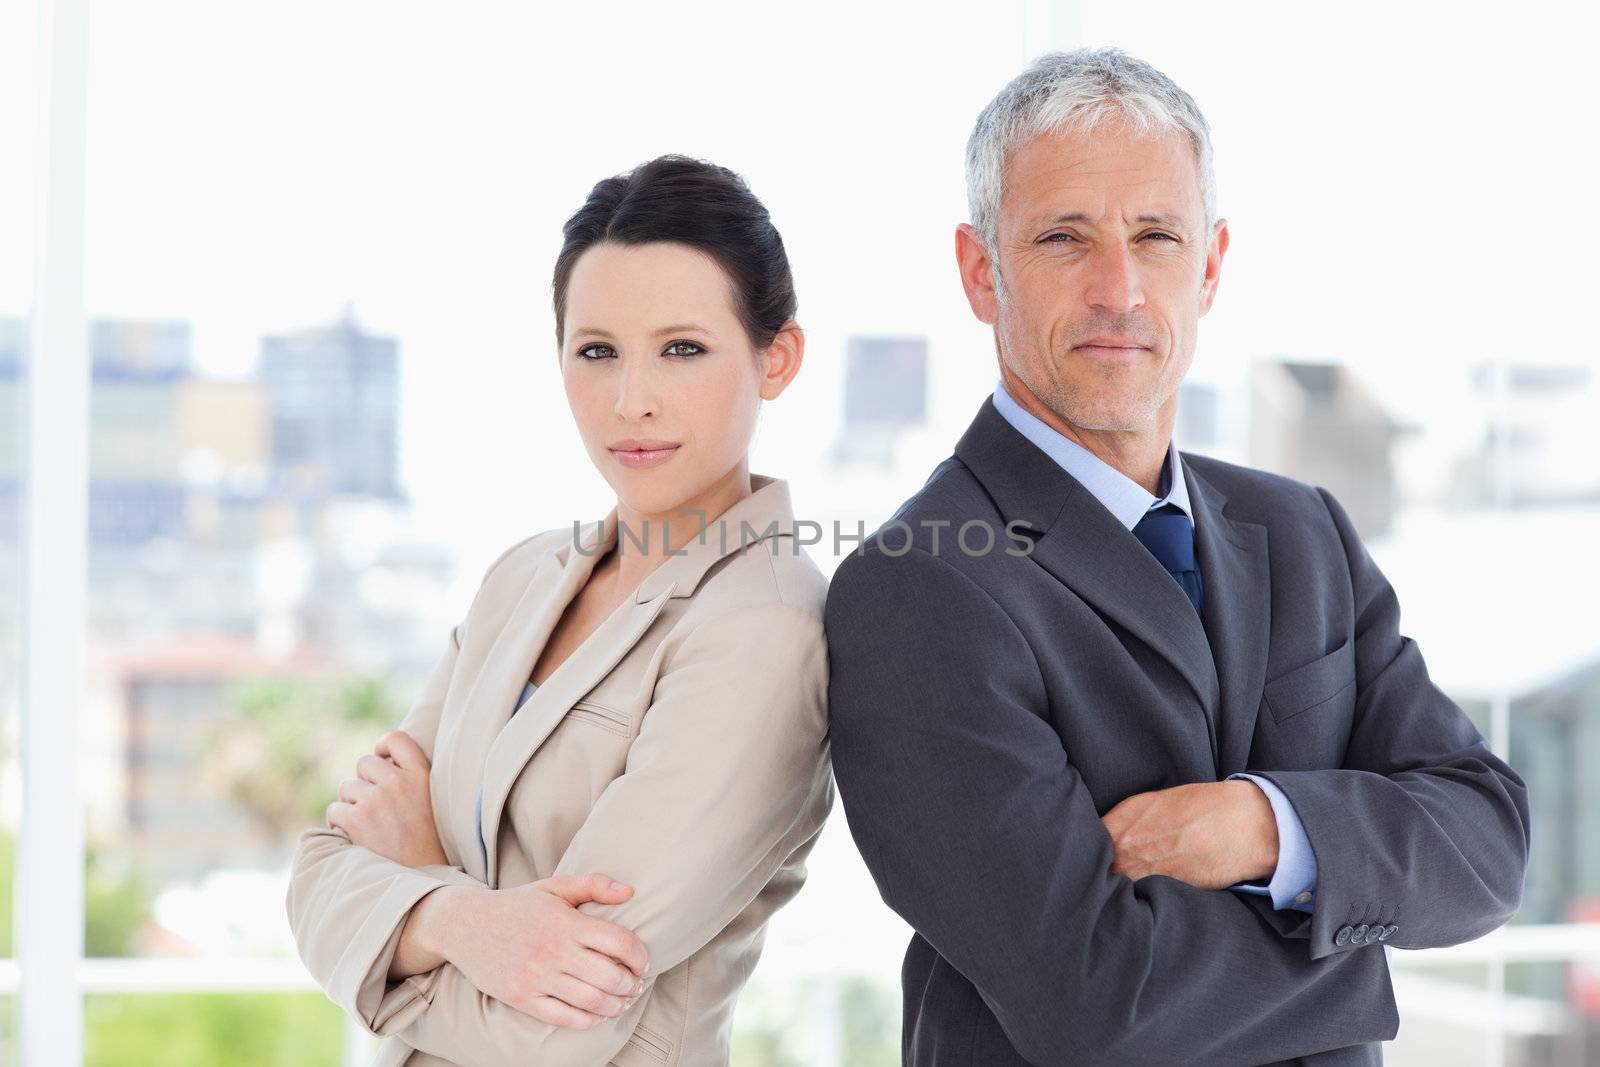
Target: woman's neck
point(645, 541)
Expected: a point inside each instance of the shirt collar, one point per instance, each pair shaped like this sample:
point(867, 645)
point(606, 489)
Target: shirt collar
point(1122, 496)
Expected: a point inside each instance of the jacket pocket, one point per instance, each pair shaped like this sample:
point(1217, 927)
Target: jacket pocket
point(600, 715)
point(645, 1048)
point(1326, 682)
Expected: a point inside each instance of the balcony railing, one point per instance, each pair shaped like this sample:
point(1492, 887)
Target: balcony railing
point(1490, 1013)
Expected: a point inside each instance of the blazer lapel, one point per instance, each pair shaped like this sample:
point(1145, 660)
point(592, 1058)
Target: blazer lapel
point(1084, 547)
point(491, 698)
point(510, 661)
point(1236, 580)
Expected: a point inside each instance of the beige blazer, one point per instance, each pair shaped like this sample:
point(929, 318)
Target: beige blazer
point(681, 749)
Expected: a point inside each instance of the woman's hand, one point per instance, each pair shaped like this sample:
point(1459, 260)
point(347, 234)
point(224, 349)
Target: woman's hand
point(386, 807)
point(531, 947)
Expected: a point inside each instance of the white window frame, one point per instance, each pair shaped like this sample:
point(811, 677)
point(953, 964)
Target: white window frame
point(55, 533)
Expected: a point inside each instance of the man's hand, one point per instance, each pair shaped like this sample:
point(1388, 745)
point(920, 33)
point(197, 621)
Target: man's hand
point(1210, 834)
point(387, 807)
point(531, 947)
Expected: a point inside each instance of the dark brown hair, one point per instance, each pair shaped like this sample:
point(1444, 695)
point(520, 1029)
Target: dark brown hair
point(698, 204)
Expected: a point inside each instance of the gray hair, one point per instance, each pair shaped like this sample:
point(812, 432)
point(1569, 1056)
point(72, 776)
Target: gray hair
point(1079, 90)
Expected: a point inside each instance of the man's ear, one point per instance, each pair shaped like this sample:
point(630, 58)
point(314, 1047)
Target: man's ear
point(977, 274)
point(1215, 249)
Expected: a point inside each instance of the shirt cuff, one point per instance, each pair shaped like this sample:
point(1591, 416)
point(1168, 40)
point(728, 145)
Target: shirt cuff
point(1294, 882)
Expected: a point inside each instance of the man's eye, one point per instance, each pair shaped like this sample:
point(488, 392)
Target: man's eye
point(1065, 237)
point(1168, 236)
point(596, 351)
point(683, 348)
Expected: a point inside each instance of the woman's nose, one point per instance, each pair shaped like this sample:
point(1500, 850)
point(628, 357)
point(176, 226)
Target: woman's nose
point(636, 391)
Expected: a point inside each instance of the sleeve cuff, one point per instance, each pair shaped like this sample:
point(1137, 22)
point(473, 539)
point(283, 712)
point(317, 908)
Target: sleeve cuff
point(1294, 881)
point(365, 966)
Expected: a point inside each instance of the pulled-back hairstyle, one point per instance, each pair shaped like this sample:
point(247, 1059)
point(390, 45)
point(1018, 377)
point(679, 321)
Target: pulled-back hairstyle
point(694, 203)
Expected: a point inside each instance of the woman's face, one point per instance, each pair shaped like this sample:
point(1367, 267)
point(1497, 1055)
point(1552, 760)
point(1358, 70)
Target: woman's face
point(661, 376)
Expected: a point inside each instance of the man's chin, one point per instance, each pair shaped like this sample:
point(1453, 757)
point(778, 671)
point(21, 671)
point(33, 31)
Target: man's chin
point(1105, 418)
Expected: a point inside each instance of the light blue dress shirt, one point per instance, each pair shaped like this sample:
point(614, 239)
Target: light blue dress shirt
point(483, 849)
point(1294, 881)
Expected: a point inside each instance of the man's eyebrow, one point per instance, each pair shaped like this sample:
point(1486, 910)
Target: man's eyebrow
point(1162, 218)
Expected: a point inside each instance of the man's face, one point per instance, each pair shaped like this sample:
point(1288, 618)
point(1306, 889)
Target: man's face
point(1099, 239)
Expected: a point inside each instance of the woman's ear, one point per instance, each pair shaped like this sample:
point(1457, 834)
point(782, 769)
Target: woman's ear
point(781, 361)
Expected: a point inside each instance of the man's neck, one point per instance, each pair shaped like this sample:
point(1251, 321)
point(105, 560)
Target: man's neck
point(1138, 454)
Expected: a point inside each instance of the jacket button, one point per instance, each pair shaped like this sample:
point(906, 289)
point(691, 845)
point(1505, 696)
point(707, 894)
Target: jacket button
point(1374, 934)
point(1388, 932)
point(1343, 936)
point(1358, 936)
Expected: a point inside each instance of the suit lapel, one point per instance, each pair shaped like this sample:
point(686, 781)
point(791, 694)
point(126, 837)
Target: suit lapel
point(1236, 579)
point(1084, 547)
point(1095, 556)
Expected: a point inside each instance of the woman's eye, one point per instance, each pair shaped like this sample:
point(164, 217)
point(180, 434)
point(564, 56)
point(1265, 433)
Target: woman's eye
point(596, 351)
point(684, 348)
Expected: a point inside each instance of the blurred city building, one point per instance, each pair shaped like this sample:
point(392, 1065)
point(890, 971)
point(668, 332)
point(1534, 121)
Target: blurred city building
point(1537, 436)
point(1317, 423)
point(239, 531)
point(334, 395)
point(885, 397)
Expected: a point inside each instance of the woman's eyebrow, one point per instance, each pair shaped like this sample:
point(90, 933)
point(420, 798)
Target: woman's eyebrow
point(687, 327)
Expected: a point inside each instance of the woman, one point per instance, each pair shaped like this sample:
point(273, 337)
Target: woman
point(639, 699)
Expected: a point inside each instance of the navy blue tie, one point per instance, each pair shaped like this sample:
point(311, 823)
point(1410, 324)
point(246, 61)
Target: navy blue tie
point(1169, 535)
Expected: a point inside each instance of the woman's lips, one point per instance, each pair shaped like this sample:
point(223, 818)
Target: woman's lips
point(639, 458)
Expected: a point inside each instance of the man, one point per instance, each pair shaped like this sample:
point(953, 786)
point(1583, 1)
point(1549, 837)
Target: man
point(1129, 736)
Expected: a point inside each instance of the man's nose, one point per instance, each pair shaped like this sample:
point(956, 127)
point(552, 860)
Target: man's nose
point(1115, 284)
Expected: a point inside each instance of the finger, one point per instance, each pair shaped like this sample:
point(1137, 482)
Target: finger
point(603, 973)
point(354, 790)
point(399, 746)
point(558, 1013)
point(375, 769)
point(580, 889)
point(581, 995)
point(338, 814)
point(615, 941)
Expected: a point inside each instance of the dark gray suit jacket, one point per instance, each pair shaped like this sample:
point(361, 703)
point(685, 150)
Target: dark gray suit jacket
point(987, 709)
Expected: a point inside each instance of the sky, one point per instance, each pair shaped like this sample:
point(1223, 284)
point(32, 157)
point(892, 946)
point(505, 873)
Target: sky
point(1400, 181)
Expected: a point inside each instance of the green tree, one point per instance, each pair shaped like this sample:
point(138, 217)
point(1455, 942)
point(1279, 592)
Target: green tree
point(208, 1029)
point(284, 743)
point(116, 901)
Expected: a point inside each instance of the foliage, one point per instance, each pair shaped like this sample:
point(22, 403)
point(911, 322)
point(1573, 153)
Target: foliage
point(207, 1029)
point(281, 749)
point(783, 1024)
point(115, 902)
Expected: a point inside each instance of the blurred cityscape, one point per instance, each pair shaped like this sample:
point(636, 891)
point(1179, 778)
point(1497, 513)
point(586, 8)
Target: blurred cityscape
point(262, 606)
